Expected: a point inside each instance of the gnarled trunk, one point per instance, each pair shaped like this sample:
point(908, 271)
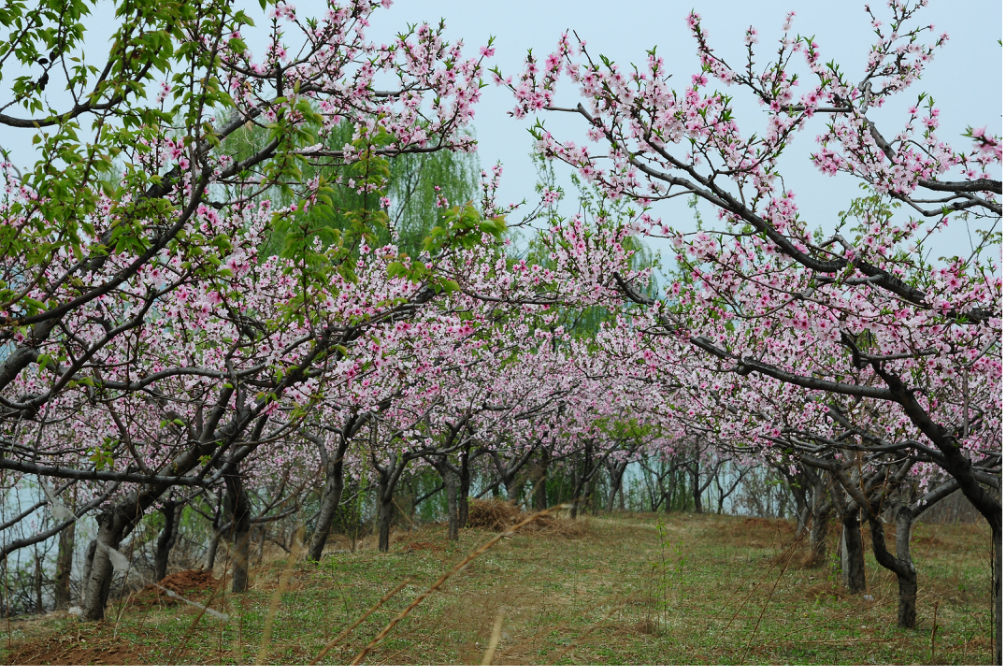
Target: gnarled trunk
point(334, 486)
point(616, 486)
point(64, 566)
point(240, 531)
point(88, 565)
point(98, 584)
point(454, 524)
point(385, 514)
point(463, 498)
point(39, 604)
point(900, 564)
point(697, 495)
point(166, 540)
point(852, 547)
point(513, 487)
point(540, 482)
point(817, 536)
point(210, 554)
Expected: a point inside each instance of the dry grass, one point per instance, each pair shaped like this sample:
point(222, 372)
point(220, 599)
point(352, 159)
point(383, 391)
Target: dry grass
point(711, 590)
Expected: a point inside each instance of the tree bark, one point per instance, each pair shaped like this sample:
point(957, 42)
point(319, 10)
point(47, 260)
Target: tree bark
point(88, 565)
point(463, 499)
point(854, 577)
point(907, 592)
point(540, 481)
point(513, 487)
point(671, 492)
point(210, 554)
point(39, 604)
point(817, 535)
point(385, 514)
point(900, 564)
point(616, 486)
point(695, 475)
point(64, 566)
point(802, 505)
point(334, 486)
point(166, 540)
point(98, 585)
point(454, 524)
point(240, 512)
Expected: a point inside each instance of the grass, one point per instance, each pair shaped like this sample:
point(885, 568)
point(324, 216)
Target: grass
point(641, 589)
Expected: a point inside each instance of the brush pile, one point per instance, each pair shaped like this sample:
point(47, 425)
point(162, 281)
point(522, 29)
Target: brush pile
point(493, 514)
point(183, 583)
point(498, 515)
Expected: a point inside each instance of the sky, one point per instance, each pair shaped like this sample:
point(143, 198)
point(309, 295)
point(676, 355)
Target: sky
point(966, 79)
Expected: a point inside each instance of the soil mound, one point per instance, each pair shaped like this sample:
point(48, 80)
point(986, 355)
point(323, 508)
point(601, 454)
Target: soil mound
point(75, 649)
point(183, 583)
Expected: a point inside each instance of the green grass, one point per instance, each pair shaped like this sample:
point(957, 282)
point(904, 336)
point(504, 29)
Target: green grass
point(710, 589)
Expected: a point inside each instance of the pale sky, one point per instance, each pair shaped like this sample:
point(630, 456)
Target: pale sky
point(965, 78)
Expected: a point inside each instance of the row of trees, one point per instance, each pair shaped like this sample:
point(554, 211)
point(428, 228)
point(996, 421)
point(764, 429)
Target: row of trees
point(260, 278)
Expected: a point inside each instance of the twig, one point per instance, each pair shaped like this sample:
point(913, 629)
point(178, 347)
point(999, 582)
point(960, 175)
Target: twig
point(489, 654)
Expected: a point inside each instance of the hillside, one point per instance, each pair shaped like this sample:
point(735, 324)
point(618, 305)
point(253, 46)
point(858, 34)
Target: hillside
point(671, 589)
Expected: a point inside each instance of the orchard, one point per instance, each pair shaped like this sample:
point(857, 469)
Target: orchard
point(255, 286)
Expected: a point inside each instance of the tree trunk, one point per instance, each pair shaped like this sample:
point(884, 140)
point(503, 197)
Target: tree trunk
point(166, 540)
point(240, 531)
point(463, 500)
point(454, 524)
point(907, 585)
point(540, 482)
point(330, 501)
point(385, 513)
point(854, 578)
point(513, 487)
point(88, 564)
point(64, 566)
point(670, 494)
point(802, 511)
point(817, 537)
point(901, 564)
point(210, 555)
point(616, 486)
point(39, 604)
point(98, 585)
point(697, 500)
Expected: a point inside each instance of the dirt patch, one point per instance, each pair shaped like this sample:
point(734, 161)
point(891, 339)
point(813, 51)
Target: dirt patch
point(76, 649)
point(183, 583)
